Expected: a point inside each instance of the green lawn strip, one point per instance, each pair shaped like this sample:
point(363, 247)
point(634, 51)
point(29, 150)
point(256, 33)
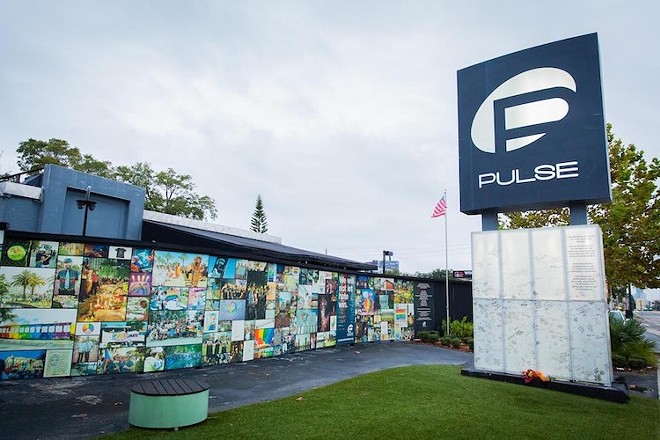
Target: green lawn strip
point(427, 402)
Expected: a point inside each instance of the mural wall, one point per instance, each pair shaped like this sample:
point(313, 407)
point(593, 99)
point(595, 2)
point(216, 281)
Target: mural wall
point(72, 309)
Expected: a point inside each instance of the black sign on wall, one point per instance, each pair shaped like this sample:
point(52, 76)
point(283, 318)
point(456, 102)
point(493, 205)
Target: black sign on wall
point(424, 309)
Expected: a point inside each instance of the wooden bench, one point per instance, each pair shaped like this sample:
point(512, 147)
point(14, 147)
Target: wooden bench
point(168, 403)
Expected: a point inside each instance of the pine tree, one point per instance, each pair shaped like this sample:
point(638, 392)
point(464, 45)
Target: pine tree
point(259, 223)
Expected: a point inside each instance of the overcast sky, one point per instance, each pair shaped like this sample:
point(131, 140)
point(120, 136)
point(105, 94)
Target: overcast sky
point(341, 114)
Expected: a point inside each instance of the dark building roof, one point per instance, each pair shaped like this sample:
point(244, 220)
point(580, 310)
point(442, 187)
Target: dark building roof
point(217, 242)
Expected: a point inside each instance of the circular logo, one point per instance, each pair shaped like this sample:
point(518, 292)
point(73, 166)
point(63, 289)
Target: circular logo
point(231, 306)
point(88, 328)
point(16, 253)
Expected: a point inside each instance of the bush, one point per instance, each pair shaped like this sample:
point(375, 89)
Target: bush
point(461, 329)
point(424, 336)
point(637, 363)
point(618, 360)
point(445, 340)
point(470, 343)
point(434, 337)
point(455, 342)
point(629, 343)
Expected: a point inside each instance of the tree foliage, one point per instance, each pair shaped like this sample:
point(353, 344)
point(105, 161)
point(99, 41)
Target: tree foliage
point(35, 153)
point(630, 223)
point(166, 191)
point(259, 222)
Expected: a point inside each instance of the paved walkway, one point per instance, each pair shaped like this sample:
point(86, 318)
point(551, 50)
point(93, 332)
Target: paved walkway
point(85, 407)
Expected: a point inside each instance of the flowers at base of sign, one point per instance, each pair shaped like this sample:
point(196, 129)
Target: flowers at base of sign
point(531, 375)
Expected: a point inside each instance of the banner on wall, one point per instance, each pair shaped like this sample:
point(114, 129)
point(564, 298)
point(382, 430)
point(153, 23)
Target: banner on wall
point(346, 310)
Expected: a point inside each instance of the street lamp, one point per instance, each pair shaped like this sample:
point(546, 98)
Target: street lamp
point(87, 205)
point(386, 254)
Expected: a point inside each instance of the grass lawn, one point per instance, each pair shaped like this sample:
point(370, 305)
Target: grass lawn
point(427, 402)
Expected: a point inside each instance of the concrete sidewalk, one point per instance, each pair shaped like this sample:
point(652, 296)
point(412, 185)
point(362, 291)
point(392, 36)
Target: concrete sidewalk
point(85, 407)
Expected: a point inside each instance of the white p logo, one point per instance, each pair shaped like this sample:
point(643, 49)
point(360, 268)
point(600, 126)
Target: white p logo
point(521, 115)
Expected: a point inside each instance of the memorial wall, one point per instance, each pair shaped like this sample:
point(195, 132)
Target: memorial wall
point(72, 309)
point(540, 303)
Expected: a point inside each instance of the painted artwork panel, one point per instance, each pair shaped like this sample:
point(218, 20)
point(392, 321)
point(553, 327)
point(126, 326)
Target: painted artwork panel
point(68, 275)
point(26, 287)
point(121, 359)
point(137, 309)
point(217, 267)
point(306, 321)
point(180, 269)
point(86, 350)
point(123, 333)
point(58, 363)
point(106, 300)
point(236, 354)
point(327, 309)
point(175, 327)
point(71, 249)
point(307, 299)
point(142, 260)
point(168, 298)
point(183, 356)
point(31, 329)
point(88, 329)
point(154, 359)
point(15, 252)
point(139, 284)
point(28, 364)
point(256, 291)
point(120, 252)
point(230, 310)
point(286, 312)
point(96, 250)
point(43, 254)
point(196, 298)
point(216, 348)
point(211, 321)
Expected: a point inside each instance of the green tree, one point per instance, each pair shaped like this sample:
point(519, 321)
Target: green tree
point(630, 223)
point(168, 191)
point(435, 274)
point(35, 153)
point(259, 223)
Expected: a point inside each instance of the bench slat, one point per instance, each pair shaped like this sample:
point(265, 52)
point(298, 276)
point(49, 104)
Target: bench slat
point(169, 387)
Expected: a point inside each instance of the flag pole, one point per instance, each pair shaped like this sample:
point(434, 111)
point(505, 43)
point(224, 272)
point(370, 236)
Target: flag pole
point(446, 263)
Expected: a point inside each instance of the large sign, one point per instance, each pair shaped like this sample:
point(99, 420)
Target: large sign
point(531, 129)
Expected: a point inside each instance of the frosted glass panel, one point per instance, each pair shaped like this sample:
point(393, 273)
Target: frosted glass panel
point(485, 266)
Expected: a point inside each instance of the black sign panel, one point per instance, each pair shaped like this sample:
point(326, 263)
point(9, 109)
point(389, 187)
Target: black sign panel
point(531, 129)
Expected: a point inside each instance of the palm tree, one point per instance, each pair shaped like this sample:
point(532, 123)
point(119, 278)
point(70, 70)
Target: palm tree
point(35, 281)
point(23, 280)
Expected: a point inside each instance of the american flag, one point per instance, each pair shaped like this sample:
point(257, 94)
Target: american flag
point(440, 209)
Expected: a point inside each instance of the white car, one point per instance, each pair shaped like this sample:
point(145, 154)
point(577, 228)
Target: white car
point(617, 315)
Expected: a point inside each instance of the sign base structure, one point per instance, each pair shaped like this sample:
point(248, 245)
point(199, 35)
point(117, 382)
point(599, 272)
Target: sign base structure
point(539, 300)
